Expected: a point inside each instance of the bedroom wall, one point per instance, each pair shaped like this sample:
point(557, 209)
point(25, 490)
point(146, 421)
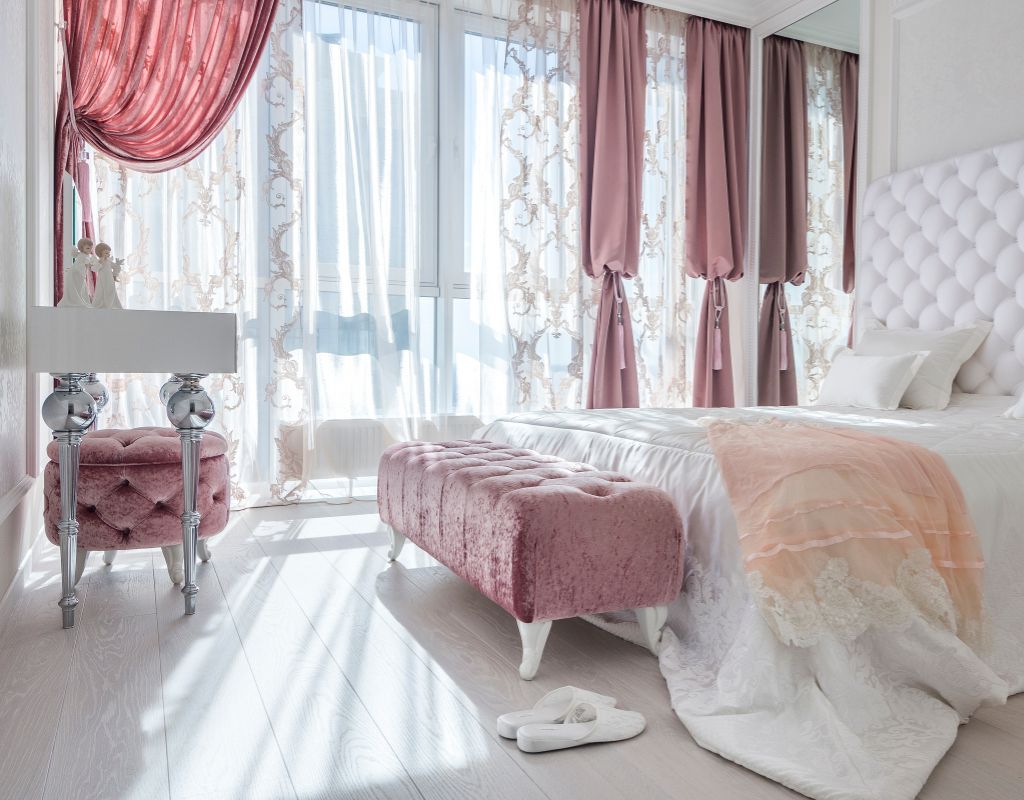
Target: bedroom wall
point(26, 63)
point(947, 77)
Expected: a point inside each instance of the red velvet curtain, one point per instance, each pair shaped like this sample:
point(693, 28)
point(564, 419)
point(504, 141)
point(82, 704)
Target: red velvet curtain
point(717, 69)
point(149, 84)
point(783, 245)
point(613, 79)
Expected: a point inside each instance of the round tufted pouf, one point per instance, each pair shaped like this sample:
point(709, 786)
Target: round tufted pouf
point(130, 489)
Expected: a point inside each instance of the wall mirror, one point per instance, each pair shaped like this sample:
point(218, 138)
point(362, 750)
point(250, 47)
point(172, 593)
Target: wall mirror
point(806, 90)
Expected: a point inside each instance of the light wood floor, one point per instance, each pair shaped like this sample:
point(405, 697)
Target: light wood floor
point(314, 670)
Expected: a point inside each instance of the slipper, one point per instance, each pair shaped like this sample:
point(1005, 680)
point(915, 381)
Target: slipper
point(552, 707)
point(586, 723)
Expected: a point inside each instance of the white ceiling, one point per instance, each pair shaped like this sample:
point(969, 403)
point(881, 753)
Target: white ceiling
point(739, 12)
point(835, 25)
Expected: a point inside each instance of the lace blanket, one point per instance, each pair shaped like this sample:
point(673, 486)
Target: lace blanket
point(841, 530)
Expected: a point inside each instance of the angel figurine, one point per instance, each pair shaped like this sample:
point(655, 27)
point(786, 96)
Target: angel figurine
point(107, 271)
point(77, 265)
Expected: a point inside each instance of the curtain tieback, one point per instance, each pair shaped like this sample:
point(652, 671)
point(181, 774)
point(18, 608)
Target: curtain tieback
point(718, 298)
point(620, 326)
point(780, 304)
point(61, 28)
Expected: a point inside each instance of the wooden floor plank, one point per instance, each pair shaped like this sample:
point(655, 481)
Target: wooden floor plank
point(34, 675)
point(330, 743)
point(442, 745)
point(110, 737)
point(220, 743)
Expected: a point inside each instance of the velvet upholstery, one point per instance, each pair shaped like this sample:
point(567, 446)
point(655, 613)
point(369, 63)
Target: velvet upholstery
point(542, 537)
point(130, 489)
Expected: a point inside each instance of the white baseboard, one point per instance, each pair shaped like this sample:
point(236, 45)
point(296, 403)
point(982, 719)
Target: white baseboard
point(21, 523)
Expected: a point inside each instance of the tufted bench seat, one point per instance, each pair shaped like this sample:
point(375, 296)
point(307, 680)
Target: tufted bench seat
point(543, 538)
point(130, 494)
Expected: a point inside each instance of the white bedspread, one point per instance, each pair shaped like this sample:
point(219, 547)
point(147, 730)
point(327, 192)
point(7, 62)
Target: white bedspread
point(838, 721)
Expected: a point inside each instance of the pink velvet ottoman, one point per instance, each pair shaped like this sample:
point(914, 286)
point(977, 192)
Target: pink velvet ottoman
point(130, 494)
point(543, 538)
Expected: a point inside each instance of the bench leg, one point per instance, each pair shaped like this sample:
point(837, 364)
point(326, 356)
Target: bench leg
point(81, 556)
point(175, 561)
point(652, 620)
point(203, 549)
point(397, 540)
point(109, 556)
point(534, 636)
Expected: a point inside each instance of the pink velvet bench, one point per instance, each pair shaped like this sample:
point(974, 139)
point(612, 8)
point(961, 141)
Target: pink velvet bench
point(130, 494)
point(543, 538)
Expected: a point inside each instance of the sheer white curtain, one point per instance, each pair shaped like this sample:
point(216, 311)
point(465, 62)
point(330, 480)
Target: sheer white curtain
point(550, 301)
point(395, 223)
point(819, 309)
point(662, 294)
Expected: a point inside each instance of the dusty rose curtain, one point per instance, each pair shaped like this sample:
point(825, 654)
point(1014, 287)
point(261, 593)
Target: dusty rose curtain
point(149, 84)
point(849, 79)
point(613, 77)
point(717, 66)
point(783, 245)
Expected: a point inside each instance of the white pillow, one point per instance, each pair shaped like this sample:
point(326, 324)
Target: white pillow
point(869, 381)
point(947, 351)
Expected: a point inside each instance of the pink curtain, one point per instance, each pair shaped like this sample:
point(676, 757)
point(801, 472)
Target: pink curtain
point(613, 79)
point(149, 84)
point(717, 67)
point(849, 80)
point(783, 245)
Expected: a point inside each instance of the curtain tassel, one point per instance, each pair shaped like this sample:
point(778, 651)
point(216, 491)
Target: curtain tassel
point(620, 328)
point(783, 336)
point(716, 346)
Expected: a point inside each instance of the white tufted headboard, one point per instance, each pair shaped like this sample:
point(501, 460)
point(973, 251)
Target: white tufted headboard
point(941, 246)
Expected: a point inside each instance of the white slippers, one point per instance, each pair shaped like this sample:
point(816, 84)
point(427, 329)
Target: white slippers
point(586, 723)
point(552, 707)
point(569, 717)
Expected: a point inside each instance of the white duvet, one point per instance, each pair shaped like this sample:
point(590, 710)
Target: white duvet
point(840, 720)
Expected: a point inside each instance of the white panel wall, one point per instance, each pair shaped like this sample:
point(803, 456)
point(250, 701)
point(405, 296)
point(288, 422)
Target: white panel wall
point(27, 39)
point(947, 76)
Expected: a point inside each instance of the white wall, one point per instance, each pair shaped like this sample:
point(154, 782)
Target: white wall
point(26, 114)
point(947, 77)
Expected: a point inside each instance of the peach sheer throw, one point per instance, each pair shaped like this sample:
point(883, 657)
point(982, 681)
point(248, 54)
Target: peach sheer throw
point(842, 531)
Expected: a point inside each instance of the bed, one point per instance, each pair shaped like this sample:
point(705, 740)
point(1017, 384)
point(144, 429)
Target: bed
point(869, 718)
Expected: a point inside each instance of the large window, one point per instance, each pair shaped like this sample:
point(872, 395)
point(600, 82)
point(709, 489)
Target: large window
point(357, 214)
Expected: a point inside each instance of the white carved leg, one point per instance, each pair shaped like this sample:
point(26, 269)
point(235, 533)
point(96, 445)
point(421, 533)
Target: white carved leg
point(203, 548)
point(174, 558)
point(534, 636)
point(397, 541)
point(81, 556)
point(109, 556)
point(652, 620)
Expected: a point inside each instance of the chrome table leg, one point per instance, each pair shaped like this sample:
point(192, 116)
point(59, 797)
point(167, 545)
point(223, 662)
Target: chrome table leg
point(190, 410)
point(68, 412)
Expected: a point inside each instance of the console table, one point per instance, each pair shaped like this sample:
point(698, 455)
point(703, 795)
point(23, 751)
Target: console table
point(73, 344)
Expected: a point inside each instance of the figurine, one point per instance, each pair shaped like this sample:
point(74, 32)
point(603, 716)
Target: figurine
point(77, 266)
point(107, 271)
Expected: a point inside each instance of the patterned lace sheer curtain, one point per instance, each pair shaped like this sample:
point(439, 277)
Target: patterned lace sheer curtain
point(819, 309)
point(224, 233)
point(551, 303)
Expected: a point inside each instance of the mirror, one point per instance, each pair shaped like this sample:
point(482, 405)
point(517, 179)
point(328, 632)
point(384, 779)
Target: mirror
point(807, 200)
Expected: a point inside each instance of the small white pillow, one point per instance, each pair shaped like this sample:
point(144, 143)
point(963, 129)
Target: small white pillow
point(869, 381)
point(947, 351)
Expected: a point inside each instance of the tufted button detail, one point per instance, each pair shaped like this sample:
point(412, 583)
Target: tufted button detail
point(941, 246)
